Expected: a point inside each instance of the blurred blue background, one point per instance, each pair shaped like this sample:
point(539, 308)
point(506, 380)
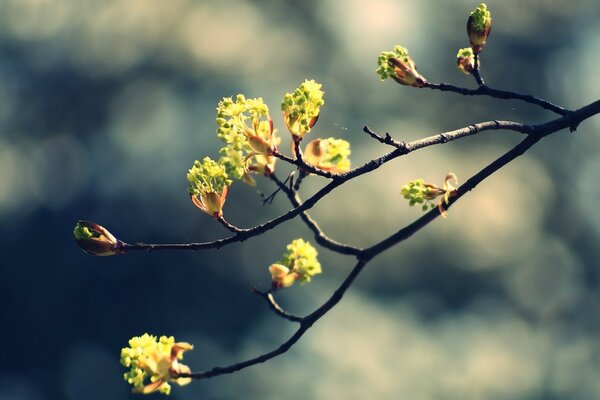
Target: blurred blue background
point(104, 105)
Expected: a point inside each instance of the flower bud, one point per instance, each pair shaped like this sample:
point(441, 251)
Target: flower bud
point(328, 154)
point(399, 66)
point(209, 185)
point(154, 363)
point(301, 108)
point(465, 60)
point(95, 239)
point(281, 276)
point(478, 27)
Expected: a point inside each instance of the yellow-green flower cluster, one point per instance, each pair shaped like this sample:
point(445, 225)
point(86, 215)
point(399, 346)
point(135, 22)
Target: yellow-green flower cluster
point(399, 66)
point(298, 263)
point(153, 363)
point(301, 108)
point(385, 69)
point(418, 192)
point(328, 154)
point(209, 185)
point(479, 25)
point(207, 176)
point(480, 17)
point(247, 129)
point(465, 60)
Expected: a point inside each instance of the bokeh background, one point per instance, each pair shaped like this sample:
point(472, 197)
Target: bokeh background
point(104, 105)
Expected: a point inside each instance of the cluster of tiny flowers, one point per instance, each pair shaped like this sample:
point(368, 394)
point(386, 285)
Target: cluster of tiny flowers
point(207, 176)
point(385, 70)
point(298, 263)
point(419, 192)
point(399, 66)
point(209, 184)
point(465, 60)
point(301, 108)
point(478, 27)
point(247, 130)
point(481, 17)
point(153, 363)
point(328, 154)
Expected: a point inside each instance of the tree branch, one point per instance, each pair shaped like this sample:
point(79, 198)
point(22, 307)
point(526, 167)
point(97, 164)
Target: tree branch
point(570, 120)
point(484, 90)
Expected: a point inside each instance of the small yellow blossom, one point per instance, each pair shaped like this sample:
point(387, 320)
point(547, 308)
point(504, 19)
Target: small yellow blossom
point(328, 154)
point(298, 263)
point(479, 25)
point(209, 184)
point(399, 66)
point(247, 129)
point(301, 108)
point(154, 363)
point(465, 60)
point(419, 192)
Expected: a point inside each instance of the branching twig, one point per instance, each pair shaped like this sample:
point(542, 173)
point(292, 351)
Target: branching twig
point(498, 94)
point(273, 305)
point(320, 237)
point(366, 255)
point(570, 120)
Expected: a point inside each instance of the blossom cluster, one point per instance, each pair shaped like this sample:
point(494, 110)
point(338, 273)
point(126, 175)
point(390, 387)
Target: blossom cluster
point(251, 144)
point(299, 263)
point(419, 192)
point(154, 362)
point(399, 66)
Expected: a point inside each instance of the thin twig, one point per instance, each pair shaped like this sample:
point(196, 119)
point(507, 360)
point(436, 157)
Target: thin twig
point(387, 139)
point(319, 235)
point(273, 305)
point(305, 324)
point(476, 72)
point(498, 94)
point(228, 226)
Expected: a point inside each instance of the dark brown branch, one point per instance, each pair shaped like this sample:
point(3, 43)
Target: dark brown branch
point(228, 226)
point(453, 135)
point(498, 94)
point(570, 120)
point(268, 296)
point(319, 235)
point(305, 324)
point(538, 133)
point(387, 139)
point(420, 223)
point(301, 164)
point(476, 72)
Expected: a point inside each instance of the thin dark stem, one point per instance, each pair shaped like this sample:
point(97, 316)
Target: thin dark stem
point(228, 226)
point(498, 94)
point(449, 136)
point(420, 223)
point(305, 324)
point(319, 235)
point(477, 72)
point(273, 305)
point(387, 139)
point(301, 164)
